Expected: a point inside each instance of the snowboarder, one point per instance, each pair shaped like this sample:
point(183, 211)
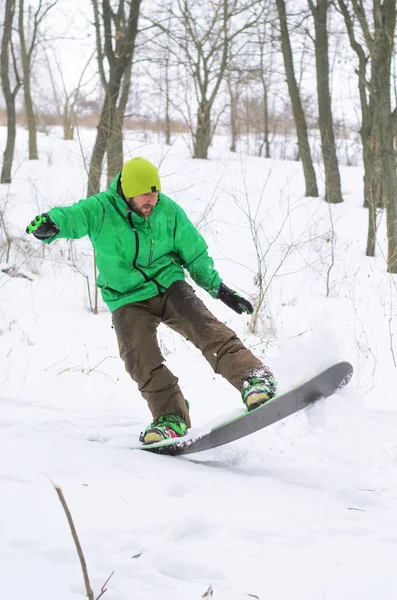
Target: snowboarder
point(143, 242)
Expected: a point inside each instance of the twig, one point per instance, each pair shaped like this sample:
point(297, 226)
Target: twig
point(104, 588)
point(302, 333)
point(90, 593)
point(55, 364)
point(100, 362)
point(333, 244)
point(83, 370)
point(394, 284)
point(67, 369)
point(15, 272)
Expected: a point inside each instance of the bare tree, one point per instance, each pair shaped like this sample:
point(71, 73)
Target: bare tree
point(160, 70)
point(363, 83)
point(10, 89)
point(28, 48)
point(116, 33)
point(238, 79)
point(299, 115)
point(251, 63)
point(115, 149)
point(66, 102)
point(265, 34)
point(234, 86)
point(333, 191)
point(167, 103)
point(202, 34)
point(377, 31)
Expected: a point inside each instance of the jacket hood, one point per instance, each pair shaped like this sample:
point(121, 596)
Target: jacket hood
point(117, 193)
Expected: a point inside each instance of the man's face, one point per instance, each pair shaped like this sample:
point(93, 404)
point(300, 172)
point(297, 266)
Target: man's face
point(143, 204)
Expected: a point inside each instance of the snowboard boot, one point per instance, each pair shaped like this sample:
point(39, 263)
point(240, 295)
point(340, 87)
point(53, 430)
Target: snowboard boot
point(164, 428)
point(258, 390)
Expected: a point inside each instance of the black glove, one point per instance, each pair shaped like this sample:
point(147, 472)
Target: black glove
point(234, 301)
point(42, 227)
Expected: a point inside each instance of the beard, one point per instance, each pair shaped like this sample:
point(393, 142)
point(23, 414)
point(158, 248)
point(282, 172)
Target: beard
point(143, 211)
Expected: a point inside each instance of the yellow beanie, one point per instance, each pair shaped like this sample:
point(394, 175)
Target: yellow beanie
point(139, 176)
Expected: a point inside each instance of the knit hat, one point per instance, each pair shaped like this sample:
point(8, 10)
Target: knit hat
point(139, 176)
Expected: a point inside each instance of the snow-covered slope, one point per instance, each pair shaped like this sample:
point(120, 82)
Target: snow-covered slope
point(304, 510)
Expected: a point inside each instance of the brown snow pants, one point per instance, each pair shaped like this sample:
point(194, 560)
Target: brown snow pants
point(179, 308)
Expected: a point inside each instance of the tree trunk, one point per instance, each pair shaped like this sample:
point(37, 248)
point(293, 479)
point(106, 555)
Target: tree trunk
point(115, 150)
point(266, 121)
point(202, 137)
point(380, 179)
point(364, 135)
point(68, 120)
point(299, 115)
point(9, 94)
point(382, 175)
point(110, 122)
point(8, 155)
point(379, 139)
point(167, 119)
point(362, 90)
point(105, 126)
point(233, 114)
point(30, 118)
point(391, 221)
point(26, 64)
point(265, 71)
point(333, 191)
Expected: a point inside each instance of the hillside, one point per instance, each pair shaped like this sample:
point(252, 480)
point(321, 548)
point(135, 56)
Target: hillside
point(305, 510)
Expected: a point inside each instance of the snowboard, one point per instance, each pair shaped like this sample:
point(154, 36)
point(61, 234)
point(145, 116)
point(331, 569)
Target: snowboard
point(322, 385)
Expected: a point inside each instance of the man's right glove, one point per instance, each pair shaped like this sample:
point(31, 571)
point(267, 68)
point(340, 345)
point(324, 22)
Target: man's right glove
point(234, 301)
point(42, 227)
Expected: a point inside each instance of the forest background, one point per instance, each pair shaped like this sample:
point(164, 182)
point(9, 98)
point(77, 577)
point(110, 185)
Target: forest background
point(256, 72)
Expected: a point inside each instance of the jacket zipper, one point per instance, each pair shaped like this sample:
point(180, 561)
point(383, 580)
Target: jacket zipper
point(150, 253)
point(136, 248)
point(151, 244)
point(137, 252)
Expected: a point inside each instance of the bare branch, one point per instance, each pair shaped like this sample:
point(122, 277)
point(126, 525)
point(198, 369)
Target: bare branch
point(362, 19)
point(98, 39)
point(106, 17)
point(37, 20)
point(90, 593)
point(104, 588)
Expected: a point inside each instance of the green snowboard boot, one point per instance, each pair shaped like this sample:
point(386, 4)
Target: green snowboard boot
point(164, 428)
point(258, 390)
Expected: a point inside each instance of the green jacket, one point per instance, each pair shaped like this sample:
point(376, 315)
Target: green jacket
point(136, 257)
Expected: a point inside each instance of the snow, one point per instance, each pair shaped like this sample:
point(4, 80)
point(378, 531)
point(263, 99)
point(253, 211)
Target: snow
point(306, 509)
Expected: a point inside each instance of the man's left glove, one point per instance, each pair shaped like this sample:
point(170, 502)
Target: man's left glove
point(234, 301)
point(42, 227)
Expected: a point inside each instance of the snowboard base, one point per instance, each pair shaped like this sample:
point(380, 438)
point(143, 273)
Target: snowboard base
point(320, 386)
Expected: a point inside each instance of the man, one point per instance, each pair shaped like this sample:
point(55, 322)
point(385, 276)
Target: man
point(143, 242)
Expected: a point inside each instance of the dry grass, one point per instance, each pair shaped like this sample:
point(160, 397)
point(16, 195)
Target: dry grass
point(91, 121)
